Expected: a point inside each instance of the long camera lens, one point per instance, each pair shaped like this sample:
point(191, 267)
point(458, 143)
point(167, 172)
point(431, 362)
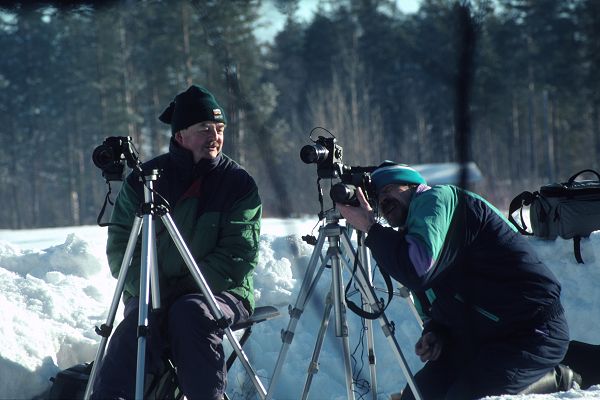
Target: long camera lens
point(103, 156)
point(344, 194)
point(312, 154)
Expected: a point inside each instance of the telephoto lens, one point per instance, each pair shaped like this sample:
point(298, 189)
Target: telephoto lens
point(344, 194)
point(103, 156)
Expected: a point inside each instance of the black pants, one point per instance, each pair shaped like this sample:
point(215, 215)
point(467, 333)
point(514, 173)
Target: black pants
point(468, 371)
point(194, 343)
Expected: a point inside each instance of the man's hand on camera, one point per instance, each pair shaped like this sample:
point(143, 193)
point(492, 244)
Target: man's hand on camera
point(429, 347)
point(362, 217)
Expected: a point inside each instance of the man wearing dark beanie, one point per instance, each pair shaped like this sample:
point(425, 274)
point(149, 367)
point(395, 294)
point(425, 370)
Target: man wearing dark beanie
point(216, 206)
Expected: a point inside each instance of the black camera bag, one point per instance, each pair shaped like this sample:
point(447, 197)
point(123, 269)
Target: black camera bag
point(70, 383)
point(570, 210)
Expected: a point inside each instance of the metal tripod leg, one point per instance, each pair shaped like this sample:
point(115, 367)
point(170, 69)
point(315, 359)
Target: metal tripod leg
point(336, 235)
point(147, 259)
point(365, 259)
point(212, 302)
point(334, 300)
point(339, 306)
point(105, 330)
point(337, 303)
point(386, 326)
point(405, 294)
point(313, 367)
point(148, 279)
point(306, 290)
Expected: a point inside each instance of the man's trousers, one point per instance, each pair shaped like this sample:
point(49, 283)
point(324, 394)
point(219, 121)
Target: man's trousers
point(472, 369)
point(186, 333)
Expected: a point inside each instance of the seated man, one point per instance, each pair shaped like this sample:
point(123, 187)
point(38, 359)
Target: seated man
point(494, 322)
point(217, 209)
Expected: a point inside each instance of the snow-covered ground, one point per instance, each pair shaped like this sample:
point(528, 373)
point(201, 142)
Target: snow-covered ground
point(55, 287)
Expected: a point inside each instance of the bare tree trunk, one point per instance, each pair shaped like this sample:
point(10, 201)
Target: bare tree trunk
point(158, 139)
point(96, 187)
point(234, 114)
point(34, 182)
point(547, 134)
point(17, 199)
point(72, 206)
point(517, 154)
point(127, 78)
point(77, 186)
point(531, 116)
point(494, 153)
point(421, 137)
point(530, 155)
point(596, 132)
point(359, 126)
point(185, 30)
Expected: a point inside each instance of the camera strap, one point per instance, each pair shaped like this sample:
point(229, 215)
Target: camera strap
point(358, 310)
point(106, 200)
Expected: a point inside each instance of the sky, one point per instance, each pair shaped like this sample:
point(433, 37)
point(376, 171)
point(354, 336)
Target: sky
point(271, 20)
point(55, 287)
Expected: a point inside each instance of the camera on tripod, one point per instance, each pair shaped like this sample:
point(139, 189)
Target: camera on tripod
point(344, 192)
point(112, 155)
point(326, 154)
point(341, 253)
point(329, 159)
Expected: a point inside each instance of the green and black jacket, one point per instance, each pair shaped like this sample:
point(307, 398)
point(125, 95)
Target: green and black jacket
point(217, 209)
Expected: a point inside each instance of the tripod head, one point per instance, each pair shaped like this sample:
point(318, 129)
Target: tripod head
point(332, 219)
point(149, 206)
point(332, 216)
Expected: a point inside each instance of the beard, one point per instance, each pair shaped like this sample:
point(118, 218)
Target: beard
point(394, 212)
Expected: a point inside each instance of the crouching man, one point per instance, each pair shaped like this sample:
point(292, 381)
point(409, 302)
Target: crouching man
point(493, 320)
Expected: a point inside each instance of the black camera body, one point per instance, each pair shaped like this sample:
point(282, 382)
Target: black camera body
point(112, 155)
point(329, 159)
point(326, 154)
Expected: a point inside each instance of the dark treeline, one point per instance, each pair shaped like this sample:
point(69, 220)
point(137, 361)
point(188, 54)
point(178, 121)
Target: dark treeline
point(387, 84)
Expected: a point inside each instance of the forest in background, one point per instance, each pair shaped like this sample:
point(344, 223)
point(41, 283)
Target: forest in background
point(513, 85)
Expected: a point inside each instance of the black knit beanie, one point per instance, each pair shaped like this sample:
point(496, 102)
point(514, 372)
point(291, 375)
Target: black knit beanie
point(190, 107)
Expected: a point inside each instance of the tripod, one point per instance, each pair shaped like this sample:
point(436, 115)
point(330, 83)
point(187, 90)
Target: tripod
point(149, 283)
point(335, 235)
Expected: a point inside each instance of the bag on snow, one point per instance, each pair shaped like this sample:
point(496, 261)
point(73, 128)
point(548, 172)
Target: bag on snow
point(570, 210)
point(70, 384)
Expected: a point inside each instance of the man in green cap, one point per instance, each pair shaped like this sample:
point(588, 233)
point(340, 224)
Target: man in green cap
point(216, 207)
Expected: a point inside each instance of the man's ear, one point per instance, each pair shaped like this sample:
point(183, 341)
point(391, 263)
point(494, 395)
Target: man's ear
point(178, 137)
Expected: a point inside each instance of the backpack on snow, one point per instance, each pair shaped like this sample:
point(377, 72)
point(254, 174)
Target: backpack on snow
point(70, 384)
point(570, 210)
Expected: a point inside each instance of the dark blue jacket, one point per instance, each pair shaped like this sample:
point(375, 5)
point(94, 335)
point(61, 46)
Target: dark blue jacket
point(476, 275)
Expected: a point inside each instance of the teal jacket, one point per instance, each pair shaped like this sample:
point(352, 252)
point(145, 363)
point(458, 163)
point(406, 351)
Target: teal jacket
point(215, 206)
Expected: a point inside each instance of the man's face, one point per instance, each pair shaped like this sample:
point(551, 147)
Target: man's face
point(204, 139)
point(394, 200)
